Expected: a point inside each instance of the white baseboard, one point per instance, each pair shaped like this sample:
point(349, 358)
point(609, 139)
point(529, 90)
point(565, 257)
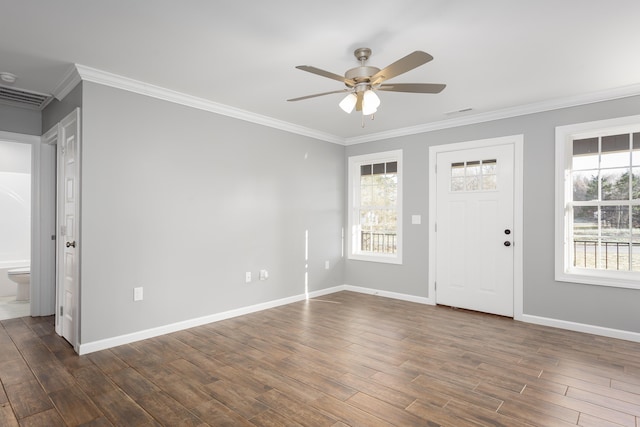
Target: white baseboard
point(90, 347)
point(582, 327)
point(387, 294)
point(104, 344)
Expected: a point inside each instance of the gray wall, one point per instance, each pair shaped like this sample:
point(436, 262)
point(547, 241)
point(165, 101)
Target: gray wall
point(543, 296)
point(182, 202)
point(20, 120)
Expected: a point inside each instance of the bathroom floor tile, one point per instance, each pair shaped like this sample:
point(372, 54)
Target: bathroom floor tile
point(10, 308)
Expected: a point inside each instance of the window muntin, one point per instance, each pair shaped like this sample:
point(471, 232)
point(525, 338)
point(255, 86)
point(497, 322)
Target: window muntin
point(600, 211)
point(475, 175)
point(375, 207)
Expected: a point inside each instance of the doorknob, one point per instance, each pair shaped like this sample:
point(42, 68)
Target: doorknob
point(507, 243)
point(71, 244)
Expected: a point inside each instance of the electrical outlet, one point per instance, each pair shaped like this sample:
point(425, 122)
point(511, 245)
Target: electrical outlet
point(264, 274)
point(137, 294)
point(247, 277)
point(326, 265)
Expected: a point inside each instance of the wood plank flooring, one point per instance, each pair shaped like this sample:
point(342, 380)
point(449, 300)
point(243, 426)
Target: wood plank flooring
point(344, 359)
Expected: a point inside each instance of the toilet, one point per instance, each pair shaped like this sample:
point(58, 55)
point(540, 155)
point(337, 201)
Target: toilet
point(21, 276)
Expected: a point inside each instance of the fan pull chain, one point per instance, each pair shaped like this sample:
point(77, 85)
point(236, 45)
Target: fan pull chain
point(373, 116)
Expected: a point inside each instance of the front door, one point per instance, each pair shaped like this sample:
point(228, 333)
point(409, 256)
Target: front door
point(68, 215)
point(474, 236)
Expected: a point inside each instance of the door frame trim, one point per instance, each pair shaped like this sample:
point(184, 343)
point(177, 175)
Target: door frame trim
point(518, 211)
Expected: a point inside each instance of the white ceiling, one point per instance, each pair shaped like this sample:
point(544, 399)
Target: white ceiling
point(494, 55)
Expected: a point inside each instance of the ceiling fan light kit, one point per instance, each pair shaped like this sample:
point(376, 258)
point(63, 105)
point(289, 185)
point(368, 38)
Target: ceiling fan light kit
point(348, 103)
point(364, 80)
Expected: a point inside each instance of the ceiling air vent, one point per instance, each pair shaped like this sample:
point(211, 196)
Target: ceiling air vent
point(23, 98)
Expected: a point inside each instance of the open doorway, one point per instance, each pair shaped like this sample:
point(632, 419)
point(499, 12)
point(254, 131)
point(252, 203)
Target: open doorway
point(15, 228)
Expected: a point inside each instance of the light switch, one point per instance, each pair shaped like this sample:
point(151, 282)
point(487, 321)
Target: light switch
point(416, 219)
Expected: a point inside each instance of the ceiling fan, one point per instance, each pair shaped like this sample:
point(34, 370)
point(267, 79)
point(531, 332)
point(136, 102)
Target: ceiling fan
point(362, 82)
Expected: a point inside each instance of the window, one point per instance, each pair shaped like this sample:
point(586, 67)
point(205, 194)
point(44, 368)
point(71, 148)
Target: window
point(598, 203)
point(375, 207)
point(477, 175)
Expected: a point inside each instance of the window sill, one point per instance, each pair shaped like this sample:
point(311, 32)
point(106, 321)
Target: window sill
point(385, 259)
point(615, 279)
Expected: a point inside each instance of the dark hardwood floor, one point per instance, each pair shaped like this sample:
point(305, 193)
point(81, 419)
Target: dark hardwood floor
point(345, 359)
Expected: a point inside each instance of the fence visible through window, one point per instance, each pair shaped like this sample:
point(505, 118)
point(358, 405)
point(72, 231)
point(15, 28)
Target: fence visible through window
point(606, 255)
point(383, 243)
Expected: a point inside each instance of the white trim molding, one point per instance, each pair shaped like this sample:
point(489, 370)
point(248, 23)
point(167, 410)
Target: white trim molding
point(582, 327)
point(104, 344)
point(387, 294)
point(119, 82)
point(68, 82)
point(80, 72)
point(521, 110)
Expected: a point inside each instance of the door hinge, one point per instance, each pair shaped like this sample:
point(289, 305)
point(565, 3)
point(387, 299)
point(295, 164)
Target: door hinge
point(435, 285)
point(436, 227)
point(60, 311)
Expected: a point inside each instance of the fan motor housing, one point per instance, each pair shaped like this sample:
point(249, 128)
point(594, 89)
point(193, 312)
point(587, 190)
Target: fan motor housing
point(361, 74)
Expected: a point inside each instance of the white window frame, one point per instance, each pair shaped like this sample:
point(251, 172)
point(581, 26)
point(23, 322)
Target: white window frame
point(565, 135)
point(354, 201)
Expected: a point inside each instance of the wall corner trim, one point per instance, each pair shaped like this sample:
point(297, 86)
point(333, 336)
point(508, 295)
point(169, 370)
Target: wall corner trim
point(68, 82)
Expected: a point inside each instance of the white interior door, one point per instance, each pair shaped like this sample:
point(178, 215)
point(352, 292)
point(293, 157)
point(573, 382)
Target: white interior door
point(68, 216)
point(474, 237)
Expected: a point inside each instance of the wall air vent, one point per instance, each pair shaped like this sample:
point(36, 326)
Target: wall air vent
point(23, 98)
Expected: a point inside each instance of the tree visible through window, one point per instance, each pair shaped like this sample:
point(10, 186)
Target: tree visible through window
point(606, 187)
point(375, 207)
point(378, 215)
point(600, 215)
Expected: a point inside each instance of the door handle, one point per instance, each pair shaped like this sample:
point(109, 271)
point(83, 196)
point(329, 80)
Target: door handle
point(507, 243)
point(71, 244)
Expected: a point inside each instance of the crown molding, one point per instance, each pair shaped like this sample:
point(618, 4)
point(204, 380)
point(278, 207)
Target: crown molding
point(522, 110)
point(68, 82)
point(142, 88)
point(81, 72)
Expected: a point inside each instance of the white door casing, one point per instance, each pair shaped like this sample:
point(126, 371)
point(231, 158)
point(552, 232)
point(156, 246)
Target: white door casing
point(469, 261)
point(68, 242)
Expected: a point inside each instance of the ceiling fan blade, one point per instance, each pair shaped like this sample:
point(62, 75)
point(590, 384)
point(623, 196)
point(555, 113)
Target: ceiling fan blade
point(402, 65)
point(318, 94)
point(360, 96)
point(324, 73)
point(413, 87)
